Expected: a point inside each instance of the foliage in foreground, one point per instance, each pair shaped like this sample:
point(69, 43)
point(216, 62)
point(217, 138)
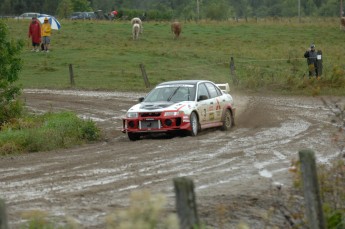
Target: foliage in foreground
point(10, 65)
point(146, 211)
point(46, 132)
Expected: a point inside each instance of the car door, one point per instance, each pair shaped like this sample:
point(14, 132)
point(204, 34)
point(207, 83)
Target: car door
point(215, 104)
point(204, 104)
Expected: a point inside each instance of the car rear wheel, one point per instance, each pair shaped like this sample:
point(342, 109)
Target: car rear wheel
point(227, 121)
point(194, 123)
point(133, 136)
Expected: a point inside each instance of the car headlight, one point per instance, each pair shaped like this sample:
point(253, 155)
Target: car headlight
point(173, 113)
point(132, 115)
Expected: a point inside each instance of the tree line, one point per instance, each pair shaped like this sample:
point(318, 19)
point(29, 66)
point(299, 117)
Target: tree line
point(182, 9)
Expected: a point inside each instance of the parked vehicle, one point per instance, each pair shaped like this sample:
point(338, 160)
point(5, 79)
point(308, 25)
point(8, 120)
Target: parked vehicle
point(82, 15)
point(181, 106)
point(29, 15)
point(91, 15)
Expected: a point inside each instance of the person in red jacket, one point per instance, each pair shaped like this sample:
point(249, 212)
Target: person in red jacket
point(35, 34)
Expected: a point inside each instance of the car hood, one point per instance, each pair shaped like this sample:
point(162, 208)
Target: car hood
point(157, 106)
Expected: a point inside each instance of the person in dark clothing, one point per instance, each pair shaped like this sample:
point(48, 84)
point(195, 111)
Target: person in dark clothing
point(311, 56)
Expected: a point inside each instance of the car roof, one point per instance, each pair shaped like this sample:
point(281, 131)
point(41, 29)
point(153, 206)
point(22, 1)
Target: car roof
point(193, 82)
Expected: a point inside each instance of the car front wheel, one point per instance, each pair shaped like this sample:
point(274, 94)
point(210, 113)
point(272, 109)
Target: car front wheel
point(227, 121)
point(194, 123)
point(133, 136)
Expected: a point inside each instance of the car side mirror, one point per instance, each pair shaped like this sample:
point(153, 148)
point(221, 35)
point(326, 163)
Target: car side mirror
point(141, 99)
point(202, 97)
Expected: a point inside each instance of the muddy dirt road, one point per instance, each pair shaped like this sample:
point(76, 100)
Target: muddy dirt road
point(236, 169)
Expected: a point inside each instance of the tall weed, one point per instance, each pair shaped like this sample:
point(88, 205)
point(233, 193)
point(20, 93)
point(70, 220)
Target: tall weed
point(145, 212)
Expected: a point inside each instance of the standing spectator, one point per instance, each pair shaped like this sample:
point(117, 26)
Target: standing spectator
point(35, 34)
point(311, 56)
point(46, 33)
point(113, 15)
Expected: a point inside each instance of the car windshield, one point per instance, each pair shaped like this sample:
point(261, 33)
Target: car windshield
point(171, 93)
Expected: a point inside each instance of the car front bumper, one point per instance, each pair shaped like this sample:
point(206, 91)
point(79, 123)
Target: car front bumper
point(156, 124)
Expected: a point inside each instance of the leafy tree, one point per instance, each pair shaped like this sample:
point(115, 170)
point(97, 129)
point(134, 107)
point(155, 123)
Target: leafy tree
point(6, 6)
point(241, 8)
point(188, 12)
point(10, 65)
point(19, 7)
point(81, 5)
point(106, 5)
point(182, 8)
point(65, 8)
point(331, 8)
point(309, 7)
point(217, 10)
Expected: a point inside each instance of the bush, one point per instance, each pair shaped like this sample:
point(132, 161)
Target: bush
point(10, 65)
point(46, 132)
point(10, 110)
point(89, 131)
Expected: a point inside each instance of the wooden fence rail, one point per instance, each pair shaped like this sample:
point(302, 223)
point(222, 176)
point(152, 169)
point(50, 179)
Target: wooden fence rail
point(185, 203)
point(142, 68)
point(313, 206)
point(146, 79)
point(3, 215)
point(71, 75)
point(233, 75)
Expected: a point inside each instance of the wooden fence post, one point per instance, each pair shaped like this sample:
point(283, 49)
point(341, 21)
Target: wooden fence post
point(313, 206)
point(232, 72)
point(185, 203)
point(143, 72)
point(71, 75)
point(3, 215)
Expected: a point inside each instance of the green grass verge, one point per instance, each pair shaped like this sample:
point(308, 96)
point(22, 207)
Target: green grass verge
point(46, 132)
point(268, 55)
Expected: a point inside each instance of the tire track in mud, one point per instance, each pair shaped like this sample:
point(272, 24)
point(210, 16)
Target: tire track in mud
point(90, 181)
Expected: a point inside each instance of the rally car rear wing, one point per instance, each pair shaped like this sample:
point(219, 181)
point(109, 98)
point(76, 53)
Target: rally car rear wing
point(224, 87)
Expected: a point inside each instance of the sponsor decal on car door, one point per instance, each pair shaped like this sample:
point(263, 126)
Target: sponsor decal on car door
point(215, 108)
point(219, 108)
point(211, 110)
point(203, 110)
point(203, 104)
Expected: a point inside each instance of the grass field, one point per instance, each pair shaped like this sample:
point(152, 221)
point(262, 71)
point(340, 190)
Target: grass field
point(268, 54)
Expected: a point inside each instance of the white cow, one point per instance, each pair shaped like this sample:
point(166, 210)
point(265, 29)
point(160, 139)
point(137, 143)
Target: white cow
point(135, 31)
point(138, 21)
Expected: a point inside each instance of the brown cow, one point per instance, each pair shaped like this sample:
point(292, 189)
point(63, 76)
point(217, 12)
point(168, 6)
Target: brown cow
point(176, 29)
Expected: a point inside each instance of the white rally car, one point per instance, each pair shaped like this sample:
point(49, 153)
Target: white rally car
point(185, 105)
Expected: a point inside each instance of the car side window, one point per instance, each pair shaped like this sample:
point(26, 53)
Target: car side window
point(202, 91)
point(212, 90)
point(219, 92)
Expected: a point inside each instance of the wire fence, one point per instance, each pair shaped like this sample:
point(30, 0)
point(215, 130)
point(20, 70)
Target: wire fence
point(240, 67)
